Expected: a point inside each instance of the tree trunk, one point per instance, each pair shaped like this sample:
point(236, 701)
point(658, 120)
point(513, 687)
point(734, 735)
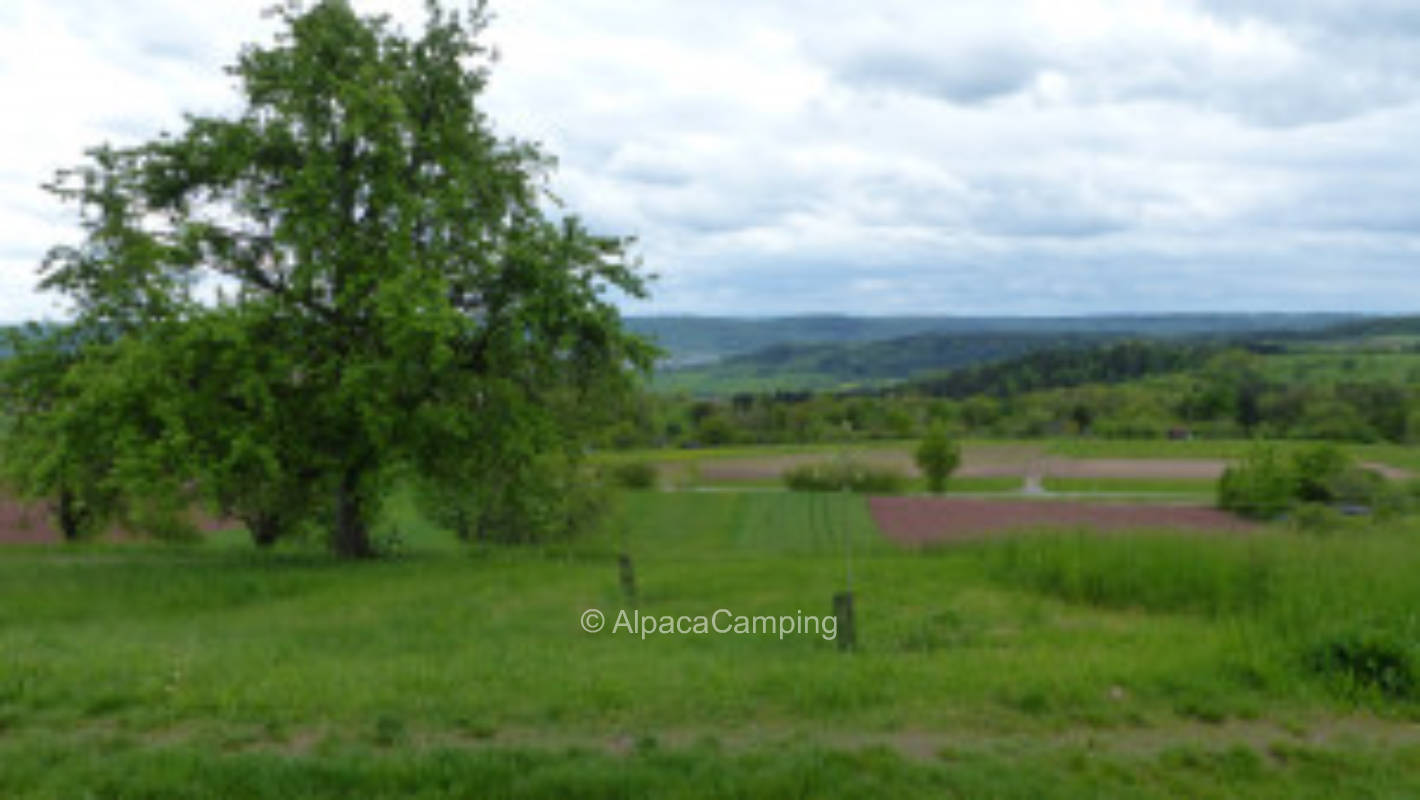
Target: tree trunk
point(70, 515)
point(265, 528)
point(351, 537)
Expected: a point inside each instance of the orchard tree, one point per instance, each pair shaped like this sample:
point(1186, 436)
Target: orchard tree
point(75, 409)
point(938, 456)
point(46, 454)
point(350, 279)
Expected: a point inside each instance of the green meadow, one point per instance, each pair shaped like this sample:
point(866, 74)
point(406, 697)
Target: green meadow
point(1148, 664)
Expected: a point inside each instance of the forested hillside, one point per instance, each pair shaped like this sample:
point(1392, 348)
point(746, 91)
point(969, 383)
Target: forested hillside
point(1350, 389)
point(792, 365)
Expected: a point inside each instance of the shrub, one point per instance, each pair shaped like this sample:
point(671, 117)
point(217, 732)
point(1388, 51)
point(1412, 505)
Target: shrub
point(1263, 486)
point(632, 475)
point(876, 480)
point(1260, 486)
point(837, 476)
point(1317, 469)
point(1362, 661)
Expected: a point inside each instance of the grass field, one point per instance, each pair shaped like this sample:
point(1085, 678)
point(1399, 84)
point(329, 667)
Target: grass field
point(1402, 456)
point(1086, 448)
point(1158, 448)
point(957, 485)
point(1203, 489)
point(1140, 665)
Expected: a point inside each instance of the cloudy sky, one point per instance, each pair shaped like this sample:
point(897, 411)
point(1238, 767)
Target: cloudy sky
point(899, 156)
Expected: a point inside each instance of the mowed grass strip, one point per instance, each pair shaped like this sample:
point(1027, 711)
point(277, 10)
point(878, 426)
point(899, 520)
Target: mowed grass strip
point(1184, 486)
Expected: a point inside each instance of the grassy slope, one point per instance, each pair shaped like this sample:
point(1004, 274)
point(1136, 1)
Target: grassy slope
point(797, 353)
point(1064, 666)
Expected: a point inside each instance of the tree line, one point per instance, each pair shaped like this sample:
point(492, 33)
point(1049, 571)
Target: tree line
point(1122, 390)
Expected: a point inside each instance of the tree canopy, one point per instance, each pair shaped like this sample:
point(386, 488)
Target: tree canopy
point(353, 276)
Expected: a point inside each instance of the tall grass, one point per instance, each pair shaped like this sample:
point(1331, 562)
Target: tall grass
point(214, 670)
point(1153, 572)
point(1345, 608)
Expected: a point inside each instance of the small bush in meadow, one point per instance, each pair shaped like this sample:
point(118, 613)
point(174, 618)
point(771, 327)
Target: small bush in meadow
point(1261, 486)
point(1264, 486)
point(1359, 662)
point(633, 475)
point(837, 476)
point(1317, 470)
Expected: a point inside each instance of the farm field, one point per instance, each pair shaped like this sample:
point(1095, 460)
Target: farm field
point(928, 520)
point(1136, 664)
point(1107, 471)
point(1188, 469)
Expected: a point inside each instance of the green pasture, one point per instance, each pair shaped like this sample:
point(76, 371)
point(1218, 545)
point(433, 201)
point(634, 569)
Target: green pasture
point(1151, 664)
point(1197, 488)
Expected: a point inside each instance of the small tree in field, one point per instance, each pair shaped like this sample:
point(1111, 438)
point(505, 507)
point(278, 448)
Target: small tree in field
point(394, 291)
point(1261, 485)
point(938, 456)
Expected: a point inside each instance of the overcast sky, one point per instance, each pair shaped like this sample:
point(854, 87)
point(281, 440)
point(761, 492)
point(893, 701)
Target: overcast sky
point(786, 156)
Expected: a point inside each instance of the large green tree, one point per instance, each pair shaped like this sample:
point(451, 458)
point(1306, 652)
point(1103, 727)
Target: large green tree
point(351, 277)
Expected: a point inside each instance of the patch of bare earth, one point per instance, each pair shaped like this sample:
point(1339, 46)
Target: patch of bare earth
point(923, 520)
point(926, 744)
point(32, 523)
point(25, 523)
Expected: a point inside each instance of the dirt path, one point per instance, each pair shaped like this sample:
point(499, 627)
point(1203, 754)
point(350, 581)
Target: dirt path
point(1262, 735)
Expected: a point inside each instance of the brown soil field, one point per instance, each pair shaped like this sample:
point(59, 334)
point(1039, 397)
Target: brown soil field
point(923, 520)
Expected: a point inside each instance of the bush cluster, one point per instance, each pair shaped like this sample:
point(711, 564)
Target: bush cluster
point(1363, 661)
point(835, 476)
point(1264, 485)
point(632, 475)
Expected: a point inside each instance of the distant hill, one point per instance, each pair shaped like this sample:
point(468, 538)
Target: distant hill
point(862, 364)
point(1365, 328)
point(944, 343)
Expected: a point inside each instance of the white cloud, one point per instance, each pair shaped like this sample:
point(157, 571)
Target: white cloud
point(1012, 156)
